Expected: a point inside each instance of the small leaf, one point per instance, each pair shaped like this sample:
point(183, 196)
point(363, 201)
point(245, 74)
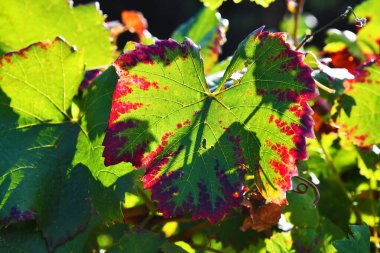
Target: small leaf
point(134, 21)
point(262, 216)
point(356, 111)
point(208, 30)
point(358, 242)
point(29, 21)
point(196, 145)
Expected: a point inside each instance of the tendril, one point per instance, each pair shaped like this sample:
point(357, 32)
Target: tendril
point(360, 22)
point(303, 187)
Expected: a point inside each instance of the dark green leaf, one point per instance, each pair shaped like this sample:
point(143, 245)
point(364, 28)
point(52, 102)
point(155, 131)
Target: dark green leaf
point(358, 242)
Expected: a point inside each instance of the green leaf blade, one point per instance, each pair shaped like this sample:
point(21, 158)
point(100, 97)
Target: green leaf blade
point(42, 100)
point(356, 112)
point(25, 22)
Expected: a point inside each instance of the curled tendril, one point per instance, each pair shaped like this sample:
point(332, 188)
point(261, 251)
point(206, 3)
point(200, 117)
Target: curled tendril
point(360, 22)
point(303, 187)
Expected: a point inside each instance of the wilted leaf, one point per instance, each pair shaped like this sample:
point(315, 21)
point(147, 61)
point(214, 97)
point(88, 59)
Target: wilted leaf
point(356, 113)
point(196, 145)
point(262, 216)
point(29, 21)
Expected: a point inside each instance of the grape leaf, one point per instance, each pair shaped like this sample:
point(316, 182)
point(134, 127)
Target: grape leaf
point(368, 36)
point(356, 113)
point(358, 242)
point(29, 21)
point(96, 107)
point(196, 145)
point(208, 30)
point(40, 137)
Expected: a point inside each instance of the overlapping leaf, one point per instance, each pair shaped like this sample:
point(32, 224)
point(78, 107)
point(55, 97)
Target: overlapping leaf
point(29, 21)
point(208, 30)
point(356, 113)
point(368, 36)
point(41, 174)
point(196, 145)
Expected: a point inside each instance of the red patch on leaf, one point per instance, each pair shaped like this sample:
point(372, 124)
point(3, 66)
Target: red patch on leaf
point(113, 141)
point(149, 159)
point(351, 135)
point(143, 54)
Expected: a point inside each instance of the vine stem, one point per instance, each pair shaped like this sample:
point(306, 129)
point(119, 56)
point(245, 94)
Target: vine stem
point(297, 14)
point(360, 22)
point(341, 184)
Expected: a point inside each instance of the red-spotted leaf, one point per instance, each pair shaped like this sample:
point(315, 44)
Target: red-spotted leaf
point(196, 145)
point(356, 113)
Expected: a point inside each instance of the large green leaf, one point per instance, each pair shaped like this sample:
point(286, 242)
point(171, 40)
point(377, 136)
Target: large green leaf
point(28, 21)
point(368, 36)
point(208, 30)
point(41, 175)
point(356, 113)
point(357, 242)
point(196, 145)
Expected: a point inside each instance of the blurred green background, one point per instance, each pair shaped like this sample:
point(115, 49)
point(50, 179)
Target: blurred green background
point(164, 16)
